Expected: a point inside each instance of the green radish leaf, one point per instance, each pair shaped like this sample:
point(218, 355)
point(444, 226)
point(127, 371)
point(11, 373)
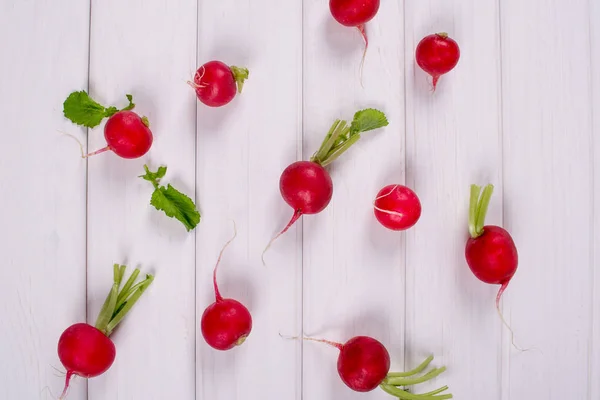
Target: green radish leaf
point(171, 201)
point(81, 109)
point(367, 120)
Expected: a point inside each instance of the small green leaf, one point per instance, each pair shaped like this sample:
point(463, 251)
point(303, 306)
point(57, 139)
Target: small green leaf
point(154, 177)
point(81, 109)
point(168, 199)
point(367, 120)
point(176, 205)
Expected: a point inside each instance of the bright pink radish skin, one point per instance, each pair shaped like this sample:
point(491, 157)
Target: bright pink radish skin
point(355, 13)
point(86, 350)
point(437, 55)
point(216, 83)
point(127, 135)
point(306, 185)
point(397, 207)
point(364, 364)
point(226, 323)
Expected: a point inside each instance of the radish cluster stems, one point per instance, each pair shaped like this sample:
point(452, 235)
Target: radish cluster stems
point(478, 206)
point(120, 301)
point(395, 382)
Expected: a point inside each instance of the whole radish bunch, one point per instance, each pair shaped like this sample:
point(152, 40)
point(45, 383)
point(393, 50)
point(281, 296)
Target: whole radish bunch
point(216, 83)
point(490, 251)
point(306, 185)
point(226, 323)
point(437, 55)
point(355, 13)
point(397, 207)
point(127, 134)
point(364, 364)
point(87, 350)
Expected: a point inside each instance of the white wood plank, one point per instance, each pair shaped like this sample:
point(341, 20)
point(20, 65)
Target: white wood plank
point(147, 49)
point(548, 196)
point(353, 267)
point(453, 141)
point(594, 369)
point(242, 149)
point(42, 180)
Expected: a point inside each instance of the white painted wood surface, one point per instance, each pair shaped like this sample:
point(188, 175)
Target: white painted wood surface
point(521, 110)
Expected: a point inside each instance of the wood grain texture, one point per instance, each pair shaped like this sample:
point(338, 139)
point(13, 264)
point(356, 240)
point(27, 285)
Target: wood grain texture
point(353, 267)
point(242, 149)
point(453, 141)
point(548, 206)
point(594, 359)
point(147, 49)
point(42, 181)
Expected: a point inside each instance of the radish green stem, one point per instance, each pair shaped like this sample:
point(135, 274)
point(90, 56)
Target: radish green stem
point(478, 206)
point(118, 303)
point(413, 381)
point(436, 391)
point(412, 372)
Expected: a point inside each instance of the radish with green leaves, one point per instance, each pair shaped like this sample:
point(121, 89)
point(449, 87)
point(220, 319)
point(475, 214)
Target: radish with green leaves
point(364, 364)
point(87, 350)
point(306, 185)
point(170, 200)
point(127, 134)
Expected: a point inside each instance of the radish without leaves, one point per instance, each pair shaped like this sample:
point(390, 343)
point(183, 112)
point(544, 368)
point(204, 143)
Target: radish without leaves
point(437, 55)
point(127, 134)
point(216, 83)
point(364, 363)
point(86, 350)
point(306, 185)
point(397, 207)
point(226, 323)
point(355, 13)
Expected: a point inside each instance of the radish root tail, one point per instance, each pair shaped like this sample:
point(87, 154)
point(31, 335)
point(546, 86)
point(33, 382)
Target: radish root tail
point(512, 334)
point(363, 33)
point(83, 155)
point(217, 293)
point(66, 389)
point(436, 78)
point(329, 342)
point(295, 217)
point(198, 78)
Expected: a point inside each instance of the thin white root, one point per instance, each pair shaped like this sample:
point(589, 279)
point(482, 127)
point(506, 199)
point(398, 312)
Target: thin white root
point(75, 139)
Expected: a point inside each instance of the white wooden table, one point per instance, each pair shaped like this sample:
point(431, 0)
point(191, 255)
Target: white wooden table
point(521, 110)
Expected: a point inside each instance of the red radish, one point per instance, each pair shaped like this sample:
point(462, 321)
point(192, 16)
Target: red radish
point(490, 251)
point(437, 54)
point(86, 350)
point(127, 134)
point(216, 83)
point(364, 363)
point(355, 13)
point(306, 185)
point(226, 323)
point(397, 207)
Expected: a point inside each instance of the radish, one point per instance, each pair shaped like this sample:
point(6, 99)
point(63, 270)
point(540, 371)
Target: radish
point(127, 134)
point(216, 83)
point(306, 185)
point(397, 207)
point(355, 13)
point(364, 363)
point(226, 323)
point(490, 251)
point(87, 350)
point(437, 54)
